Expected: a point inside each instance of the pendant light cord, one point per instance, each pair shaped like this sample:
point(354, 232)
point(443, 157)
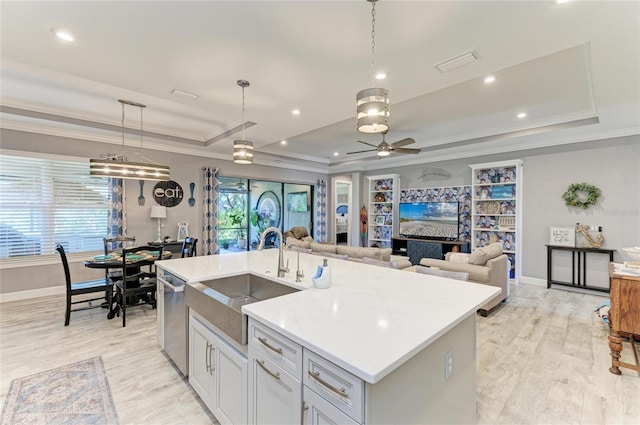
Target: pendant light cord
point(243, 113)
point(373, 42)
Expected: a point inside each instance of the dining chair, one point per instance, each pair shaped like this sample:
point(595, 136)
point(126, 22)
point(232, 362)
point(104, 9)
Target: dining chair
point(103, 285)
point(189, 247)
point(113, 244)
point(136, 285)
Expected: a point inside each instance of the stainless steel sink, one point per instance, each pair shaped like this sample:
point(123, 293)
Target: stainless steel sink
point(220, 300)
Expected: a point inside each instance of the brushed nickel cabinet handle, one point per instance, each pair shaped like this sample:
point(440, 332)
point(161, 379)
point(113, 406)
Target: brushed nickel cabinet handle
point(269, 346)
point(276, 375)
point(302, 411)
point(341, 392)
point(212, 367)
point(207, 358)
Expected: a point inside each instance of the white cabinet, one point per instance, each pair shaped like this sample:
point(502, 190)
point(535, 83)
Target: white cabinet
point(318, 411)
point(274, 395)
point(383, 209)
point(217, 372)
point(275, 377)
point(496, 214)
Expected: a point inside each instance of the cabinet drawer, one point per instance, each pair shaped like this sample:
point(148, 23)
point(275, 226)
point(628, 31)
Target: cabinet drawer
point(317, 410)
point(278, 348)
point(334, 384)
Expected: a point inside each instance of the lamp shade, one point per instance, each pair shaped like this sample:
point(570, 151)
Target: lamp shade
point(158, 211)
point(242, 152)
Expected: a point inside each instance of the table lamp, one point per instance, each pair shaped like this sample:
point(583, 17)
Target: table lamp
point(159, 212)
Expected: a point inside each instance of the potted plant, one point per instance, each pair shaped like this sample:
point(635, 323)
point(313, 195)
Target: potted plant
point(236, 218)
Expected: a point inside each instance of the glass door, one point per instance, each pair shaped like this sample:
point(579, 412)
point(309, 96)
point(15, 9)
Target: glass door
point(232, 214)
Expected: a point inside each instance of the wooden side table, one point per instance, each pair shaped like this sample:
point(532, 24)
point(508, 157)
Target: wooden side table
point(624, 317)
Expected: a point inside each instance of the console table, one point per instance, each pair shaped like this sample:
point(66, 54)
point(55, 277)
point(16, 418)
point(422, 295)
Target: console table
point(417, 249)
point(578, 266)
point(624, 316)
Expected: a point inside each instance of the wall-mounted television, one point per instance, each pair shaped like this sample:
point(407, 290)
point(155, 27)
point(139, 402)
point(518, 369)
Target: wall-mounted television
point(430, 220)
point(297, 202)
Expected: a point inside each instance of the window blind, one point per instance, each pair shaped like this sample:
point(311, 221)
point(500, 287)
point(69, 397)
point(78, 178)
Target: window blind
point(48, 201)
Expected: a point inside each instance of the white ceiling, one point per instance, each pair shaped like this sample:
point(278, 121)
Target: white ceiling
point(573, 68)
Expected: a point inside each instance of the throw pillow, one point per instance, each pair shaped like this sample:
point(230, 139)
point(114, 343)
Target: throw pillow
point(299, 232)
point(458, 257)
point(296, 242)
point(307, 239)
point(480, 256)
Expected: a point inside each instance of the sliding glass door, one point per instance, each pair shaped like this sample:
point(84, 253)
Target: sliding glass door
point(248, 207)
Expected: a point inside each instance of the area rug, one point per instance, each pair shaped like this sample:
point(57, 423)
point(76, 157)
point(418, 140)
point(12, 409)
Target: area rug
point(77, 393)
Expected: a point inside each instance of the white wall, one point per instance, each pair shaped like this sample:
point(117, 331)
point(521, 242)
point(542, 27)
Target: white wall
point(613, 165)
point(184, 169)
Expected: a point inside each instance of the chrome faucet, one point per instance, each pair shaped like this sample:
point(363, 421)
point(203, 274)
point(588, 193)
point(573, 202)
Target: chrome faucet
point(281, 268)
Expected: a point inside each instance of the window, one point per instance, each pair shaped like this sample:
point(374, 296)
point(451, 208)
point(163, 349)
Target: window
point(46, 201)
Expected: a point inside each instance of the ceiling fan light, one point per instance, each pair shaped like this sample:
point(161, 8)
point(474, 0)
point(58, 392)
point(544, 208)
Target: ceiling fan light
point(384, 153)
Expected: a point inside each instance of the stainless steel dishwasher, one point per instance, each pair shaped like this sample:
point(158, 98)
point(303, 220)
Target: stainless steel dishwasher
point(174, 322)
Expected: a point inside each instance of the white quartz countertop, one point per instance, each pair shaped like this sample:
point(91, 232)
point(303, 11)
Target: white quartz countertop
point(370, 321)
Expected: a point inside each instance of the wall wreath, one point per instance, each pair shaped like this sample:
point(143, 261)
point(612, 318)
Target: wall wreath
point(581, 195)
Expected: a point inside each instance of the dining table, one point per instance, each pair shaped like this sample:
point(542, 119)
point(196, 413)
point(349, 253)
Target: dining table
point(113, 260)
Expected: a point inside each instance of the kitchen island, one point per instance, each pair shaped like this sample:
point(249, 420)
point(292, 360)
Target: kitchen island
point(405, 339)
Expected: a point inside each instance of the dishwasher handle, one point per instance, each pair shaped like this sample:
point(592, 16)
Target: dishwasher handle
point(171, 286)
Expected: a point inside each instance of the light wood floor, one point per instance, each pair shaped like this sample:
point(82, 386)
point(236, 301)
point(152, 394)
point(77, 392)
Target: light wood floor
point(542, 359)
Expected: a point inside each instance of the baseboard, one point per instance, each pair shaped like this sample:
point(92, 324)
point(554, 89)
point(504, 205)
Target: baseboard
point(32, 293)
point(534, 281)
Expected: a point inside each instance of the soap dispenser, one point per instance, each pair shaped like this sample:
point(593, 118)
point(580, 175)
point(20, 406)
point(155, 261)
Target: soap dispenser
point(322, 279)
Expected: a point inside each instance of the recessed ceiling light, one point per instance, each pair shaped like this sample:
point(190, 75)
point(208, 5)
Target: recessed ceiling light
point(283, 142)
point(562, 1)
point(522, 114)
point(336, 154)
point(381, 75)
point(489, 79)
point(63, 35)
point(295, 111)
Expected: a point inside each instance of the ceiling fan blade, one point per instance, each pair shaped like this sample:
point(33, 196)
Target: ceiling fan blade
point(403, 142)
point(368, 150)
point(365, 143)
point(406, 150)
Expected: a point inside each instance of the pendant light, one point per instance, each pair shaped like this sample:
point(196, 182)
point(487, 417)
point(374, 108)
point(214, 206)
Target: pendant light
point(373, 103)
point(117, 166)
point(243, 149)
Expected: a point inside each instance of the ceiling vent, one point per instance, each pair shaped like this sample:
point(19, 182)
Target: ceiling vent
point(458, 61)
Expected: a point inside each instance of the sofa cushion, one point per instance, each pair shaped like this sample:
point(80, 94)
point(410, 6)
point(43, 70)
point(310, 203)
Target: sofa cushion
point(359, 252)
point(299, 232)
point(298, 249)
point(442, 273)
point(480, 256)
point(332, 255)
point(458, 257)
point(307, 239)
point(295, 242)
point(322, 247)
point(479, 274)
point(381, 263)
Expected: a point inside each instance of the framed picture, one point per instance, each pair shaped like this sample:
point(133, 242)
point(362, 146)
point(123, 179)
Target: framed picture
point(380, 220)
point(562, 236)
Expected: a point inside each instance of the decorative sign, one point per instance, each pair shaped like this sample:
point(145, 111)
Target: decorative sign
point(562, 236)
point(168, 194)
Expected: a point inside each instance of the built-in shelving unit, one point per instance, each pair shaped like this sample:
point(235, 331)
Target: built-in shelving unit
point(496, 214)
point(382, 209)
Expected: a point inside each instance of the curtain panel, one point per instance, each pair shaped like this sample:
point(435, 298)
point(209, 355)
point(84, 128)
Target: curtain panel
point(211, 189)
point(321, 211)
point(117, 223)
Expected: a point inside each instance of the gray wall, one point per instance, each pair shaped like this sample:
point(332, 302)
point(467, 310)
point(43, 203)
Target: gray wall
point(184, 169)
point(613, 165)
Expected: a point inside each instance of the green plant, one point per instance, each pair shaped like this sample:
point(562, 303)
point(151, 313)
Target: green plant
point(236, 219)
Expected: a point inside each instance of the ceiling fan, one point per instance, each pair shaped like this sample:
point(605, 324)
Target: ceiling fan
point(385, 149)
